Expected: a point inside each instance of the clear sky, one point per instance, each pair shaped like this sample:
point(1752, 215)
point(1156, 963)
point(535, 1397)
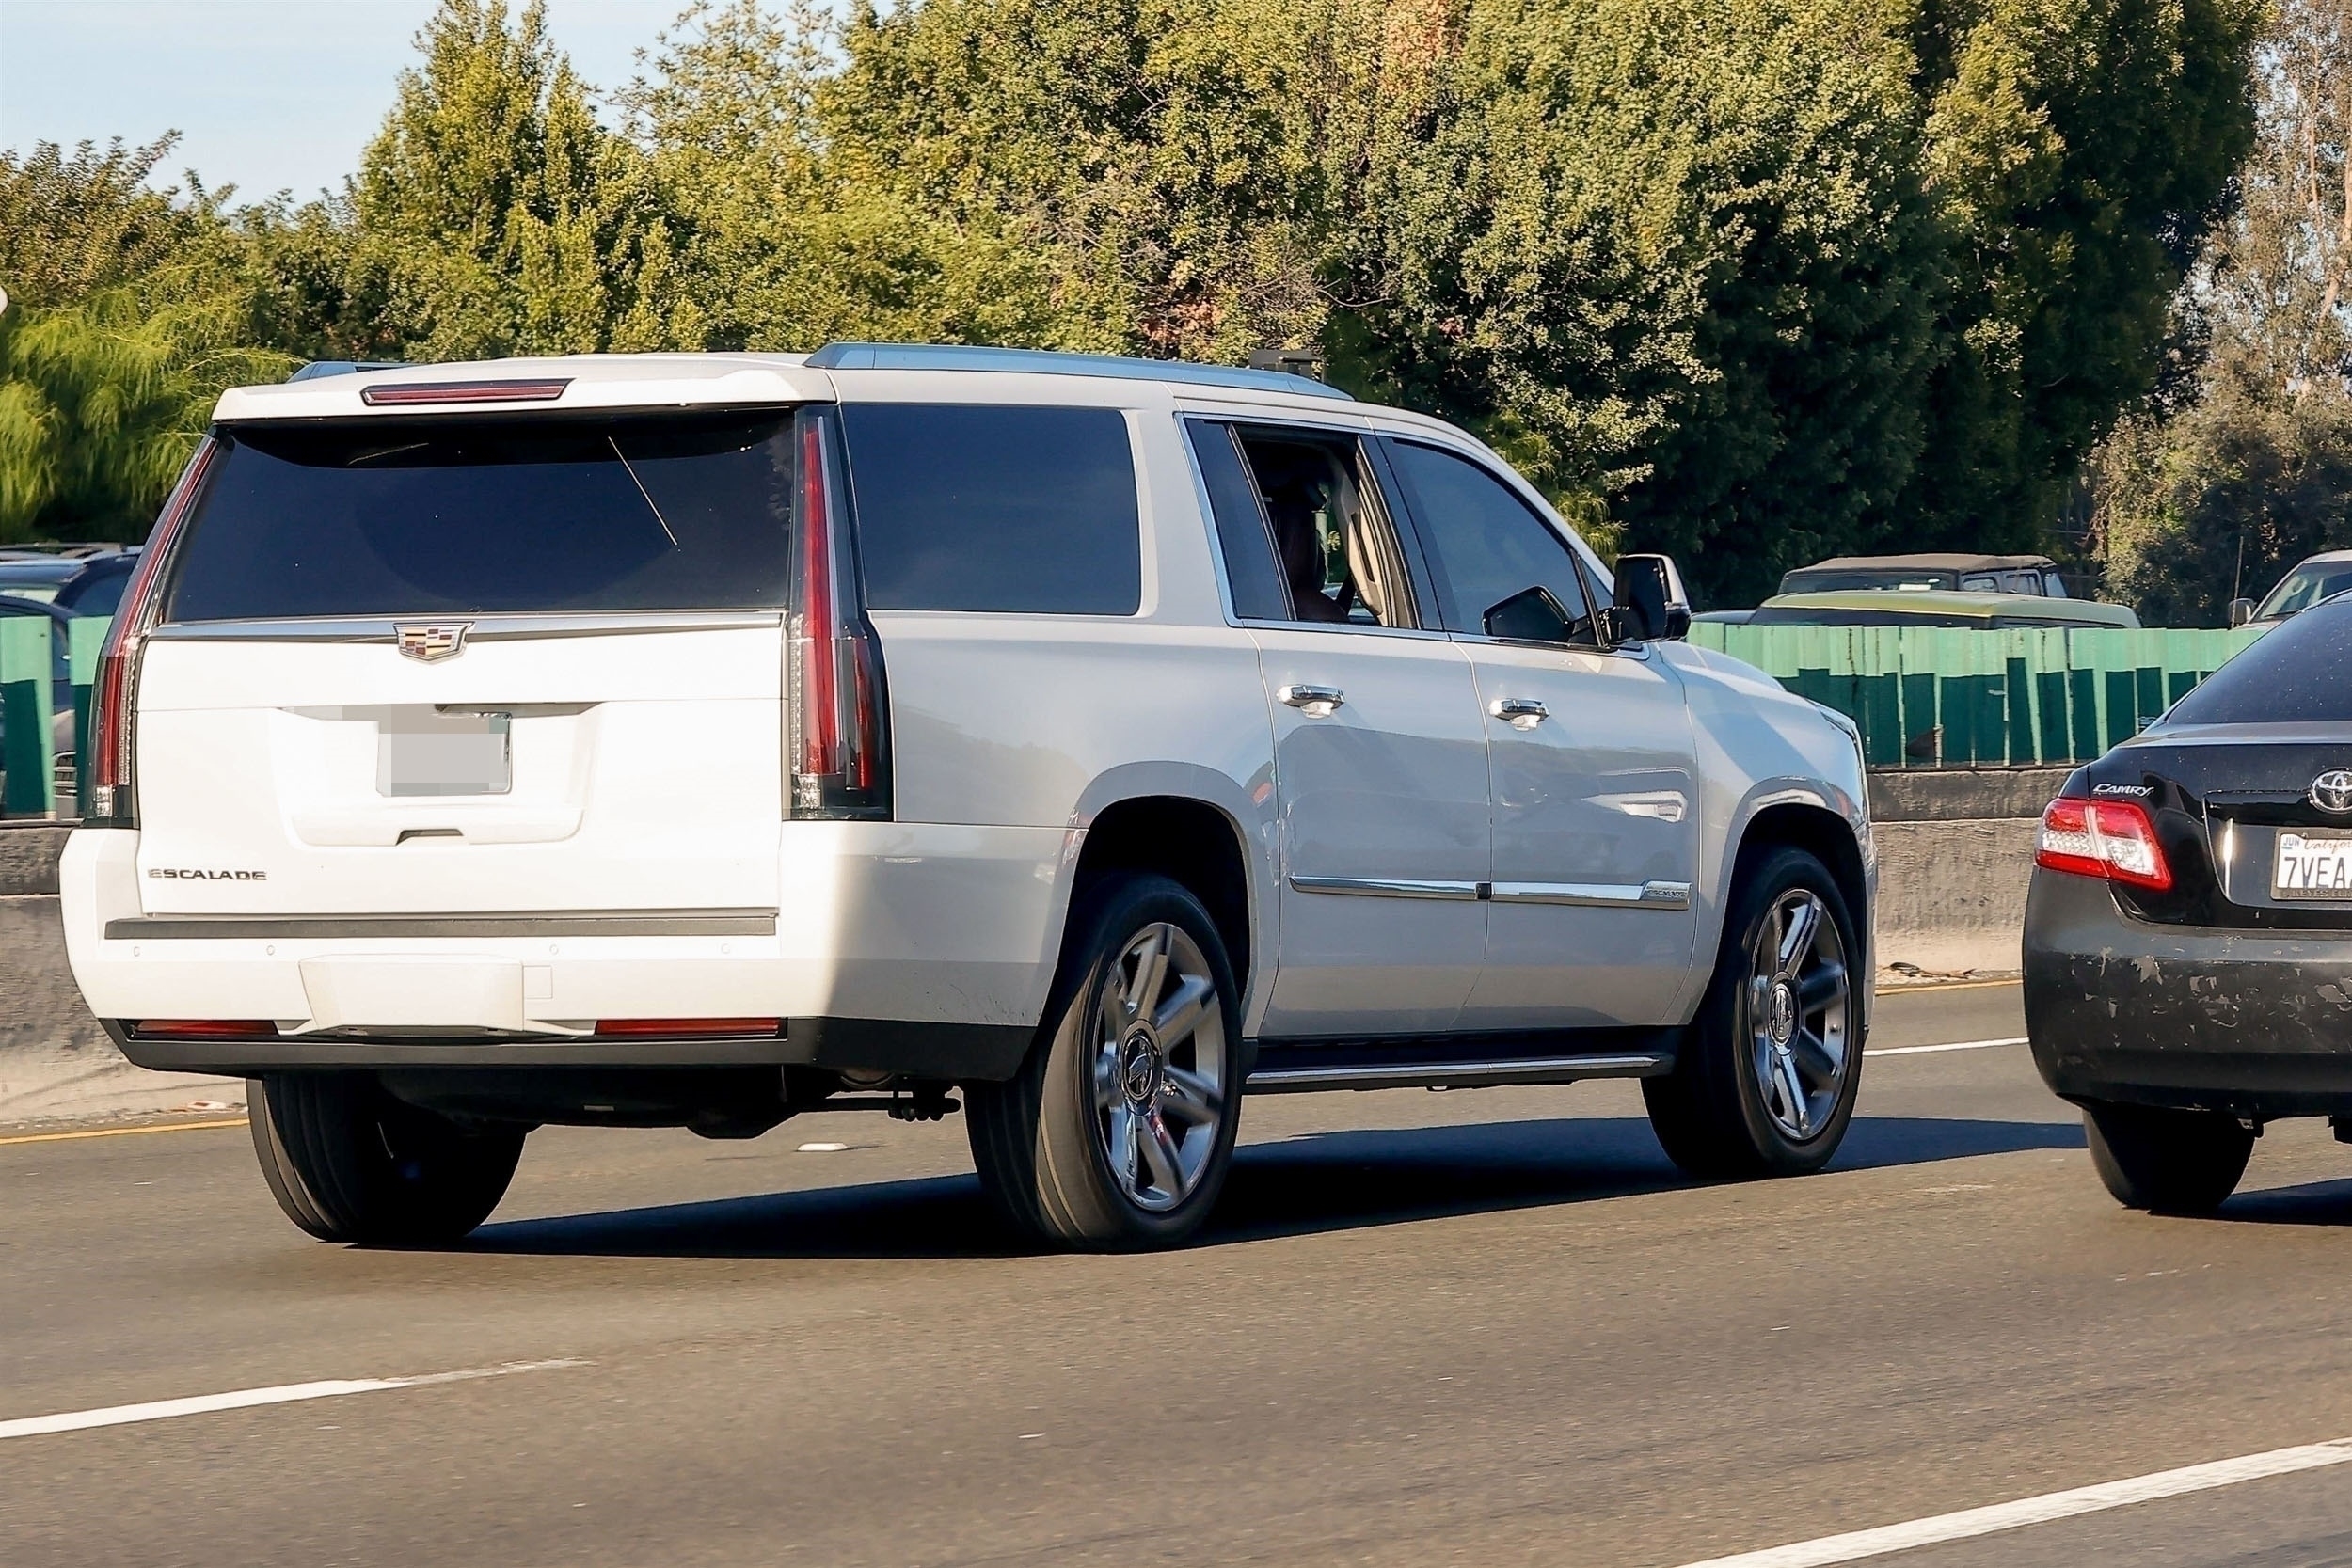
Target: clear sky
point(269, 94)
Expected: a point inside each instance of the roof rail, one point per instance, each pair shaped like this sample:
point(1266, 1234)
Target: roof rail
point(961, 357)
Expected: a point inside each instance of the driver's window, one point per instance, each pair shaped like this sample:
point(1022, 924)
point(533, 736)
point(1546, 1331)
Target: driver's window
point(1334, 548)
point(1484, 545)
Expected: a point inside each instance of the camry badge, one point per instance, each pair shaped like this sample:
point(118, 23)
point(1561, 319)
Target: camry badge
point(2332, 790)
point(434, 643)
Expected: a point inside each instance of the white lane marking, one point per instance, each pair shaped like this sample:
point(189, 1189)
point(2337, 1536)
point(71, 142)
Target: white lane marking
point(245, 1399)
point(1973, 1522)
point(1956, 1045)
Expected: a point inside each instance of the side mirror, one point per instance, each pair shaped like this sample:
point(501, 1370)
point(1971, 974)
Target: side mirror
point(1650, 603)
point(1530, 615)
point(2241, 612)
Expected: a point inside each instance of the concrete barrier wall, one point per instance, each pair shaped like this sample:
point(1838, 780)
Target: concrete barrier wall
point(1951, 900)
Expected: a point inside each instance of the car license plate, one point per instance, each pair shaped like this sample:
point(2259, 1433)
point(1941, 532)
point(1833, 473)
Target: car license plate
point(2309, 866)
point(426, 752)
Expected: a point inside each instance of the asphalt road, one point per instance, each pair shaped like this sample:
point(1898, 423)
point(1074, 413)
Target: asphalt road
point(1482, 1327)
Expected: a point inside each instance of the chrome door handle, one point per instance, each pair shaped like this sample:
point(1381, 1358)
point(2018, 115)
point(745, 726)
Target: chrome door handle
point(1315, 702)
point(1522, 713)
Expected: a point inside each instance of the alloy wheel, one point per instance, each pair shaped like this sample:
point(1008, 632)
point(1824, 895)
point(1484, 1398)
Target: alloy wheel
point(1799, 1000)
point(1160, 1066)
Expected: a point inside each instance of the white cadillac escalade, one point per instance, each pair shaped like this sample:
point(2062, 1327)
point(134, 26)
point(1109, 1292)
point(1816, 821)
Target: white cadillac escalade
point(705, 739)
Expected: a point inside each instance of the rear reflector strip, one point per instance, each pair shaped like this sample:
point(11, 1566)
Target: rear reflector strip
point(413, 392)
point(205, 1028)
point(679, 1026)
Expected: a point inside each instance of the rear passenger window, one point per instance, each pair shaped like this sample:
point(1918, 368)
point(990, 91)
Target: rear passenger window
point(1251, 571)
point(992, 508)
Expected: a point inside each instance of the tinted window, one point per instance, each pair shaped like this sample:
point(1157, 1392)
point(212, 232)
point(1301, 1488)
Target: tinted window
point(1485, 543)
point(1251, 571)
point(1333, 541)
point(2299, 673)
point(995, 508)
point(399, 518)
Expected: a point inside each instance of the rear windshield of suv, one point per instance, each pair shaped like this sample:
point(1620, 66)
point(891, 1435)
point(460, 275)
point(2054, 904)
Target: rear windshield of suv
point(987, 507)
point(2298, 673)
point(395, 517)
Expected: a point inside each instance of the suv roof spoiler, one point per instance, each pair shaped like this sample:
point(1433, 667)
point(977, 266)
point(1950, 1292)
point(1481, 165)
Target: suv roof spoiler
point(957, 356)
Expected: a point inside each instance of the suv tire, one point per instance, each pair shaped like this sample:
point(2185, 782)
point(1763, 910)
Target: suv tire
point(1765, 1081)
point(2171, 1161)
point(1119, 1129)
point(348, 1162)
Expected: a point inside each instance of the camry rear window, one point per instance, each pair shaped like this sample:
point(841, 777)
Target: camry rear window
point(387, 517)
point(2298, 673)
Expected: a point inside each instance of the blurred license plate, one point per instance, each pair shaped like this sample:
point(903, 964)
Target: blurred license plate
point(2313, 867)
point(426, 752)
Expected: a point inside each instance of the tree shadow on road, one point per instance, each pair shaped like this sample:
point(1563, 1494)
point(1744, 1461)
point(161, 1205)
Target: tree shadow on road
point(1316, 1182)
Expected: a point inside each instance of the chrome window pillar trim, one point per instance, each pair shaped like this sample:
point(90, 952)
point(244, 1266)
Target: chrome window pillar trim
point(1628, 895)
point(1389, 887)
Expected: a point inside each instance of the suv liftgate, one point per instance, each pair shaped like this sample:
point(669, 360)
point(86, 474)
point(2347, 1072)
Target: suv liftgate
point(510, 678)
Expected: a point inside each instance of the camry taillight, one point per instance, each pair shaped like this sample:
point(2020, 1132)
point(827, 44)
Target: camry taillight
point(2103, 838)
point(837, 745)
point(109, 800)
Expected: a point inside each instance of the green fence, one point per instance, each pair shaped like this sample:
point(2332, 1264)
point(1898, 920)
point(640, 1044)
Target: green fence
point(33, 657)
point(1950, 697)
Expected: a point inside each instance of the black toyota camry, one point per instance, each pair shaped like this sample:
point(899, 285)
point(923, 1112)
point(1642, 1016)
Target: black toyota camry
point(2189, 936)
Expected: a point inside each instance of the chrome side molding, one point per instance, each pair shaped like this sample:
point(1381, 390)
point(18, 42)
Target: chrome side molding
point(1631, 895)
point(1620, 896)
point(1462, 1075)
point(243, 927)
point(1387, 887)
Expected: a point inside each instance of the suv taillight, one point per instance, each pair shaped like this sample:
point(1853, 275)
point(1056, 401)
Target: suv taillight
point(2103, 838)
point(114, 689)
point(837, 742)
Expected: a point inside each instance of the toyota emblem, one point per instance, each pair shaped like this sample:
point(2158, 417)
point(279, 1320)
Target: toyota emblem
point(435, 643)
point(2332, 790)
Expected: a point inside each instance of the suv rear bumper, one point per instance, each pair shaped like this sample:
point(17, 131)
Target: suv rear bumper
point(2252, 1023)
point(923, 949)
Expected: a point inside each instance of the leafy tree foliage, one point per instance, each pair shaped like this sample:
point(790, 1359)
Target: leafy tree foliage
point(2246, 468)
point(1754, 280)
point(100, 403)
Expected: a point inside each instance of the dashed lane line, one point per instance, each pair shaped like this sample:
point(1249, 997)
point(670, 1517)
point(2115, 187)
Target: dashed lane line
point(1955, 1045)
point(1970, 1523)
point(245, 1399)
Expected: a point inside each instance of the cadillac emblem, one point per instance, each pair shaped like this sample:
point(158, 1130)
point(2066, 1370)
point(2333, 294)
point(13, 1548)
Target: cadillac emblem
point(432, 643)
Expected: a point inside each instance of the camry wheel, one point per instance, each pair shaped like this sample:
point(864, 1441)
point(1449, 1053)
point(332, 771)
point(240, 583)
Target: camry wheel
point(1766, 1079)
point(2171, 1161)
point(348, 1162)
point(1118, 1129)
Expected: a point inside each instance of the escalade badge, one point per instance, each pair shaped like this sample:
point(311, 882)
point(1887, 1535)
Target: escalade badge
point(2332, 790)
point(432, 643)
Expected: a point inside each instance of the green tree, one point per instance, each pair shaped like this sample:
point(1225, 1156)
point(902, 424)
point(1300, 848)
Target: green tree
point(494, 216)
point(102, 402)
point(2247, 468)
point(2078, 151)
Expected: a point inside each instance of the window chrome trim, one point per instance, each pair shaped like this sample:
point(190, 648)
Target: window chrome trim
point(481, 628)
point(1389, 887)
